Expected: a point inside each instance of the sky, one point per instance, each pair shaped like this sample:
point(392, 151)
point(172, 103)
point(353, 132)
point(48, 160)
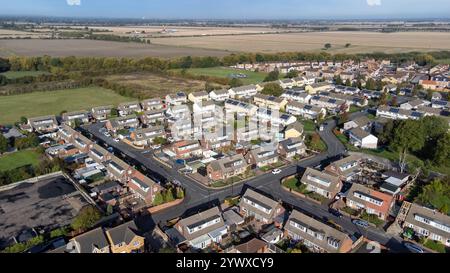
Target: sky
point(231, 9)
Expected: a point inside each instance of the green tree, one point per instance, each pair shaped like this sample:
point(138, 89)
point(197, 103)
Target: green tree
point(159, 141)
point(168, 195)
point(272, 76)
point(180, 193)
point(347, 45)
point(86, 218)
point(292, 74)
point(383, 99)
point(408, 136)
point(436, 194)
point(442, 152)
point(3, 144)
point(23, 120)
point(109, 210)
point(273, 89)
point(158, 200)
point(338, 80)
point(327, 46)
point(4, 65)
point(234, 82)
point(370, 84)
point(114, 112)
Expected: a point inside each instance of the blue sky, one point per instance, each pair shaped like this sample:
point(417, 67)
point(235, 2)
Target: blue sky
point(231, 9)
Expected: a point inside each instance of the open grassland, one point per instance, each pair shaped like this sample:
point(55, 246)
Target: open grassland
point(54, 102)
point(224, 72)
point(360, 42)
point(91, 48)
point(19, 159)
point(151, 85)
point(20, 74)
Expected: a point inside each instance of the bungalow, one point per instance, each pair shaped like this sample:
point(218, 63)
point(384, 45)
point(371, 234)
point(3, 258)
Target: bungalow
point(362, 122)
point(305, 111)
point(46, 124)
point(120, 123)
point(126, 238)
point(219, 95)
point(144, 137)
point(202, 229)
point(152, 104)
point(71, 117)
point(101, 112)
point(272, 102)
point(119, 170)
point(186, 148)
point(143, 187)
point(345, 168)
point(129, 108)
point(262, 208)
point(427, 223)
point(287, 83)
point(197, 97)
point(98, 154)
point(227, 167)
point(291, 147)
point(297, 95)
point(262, 156)
point(318, 87)
point(371, 201)
point(93, 241)
point(176, 99)
point(363, 139)
point(315, 235)
point(153, 116)
point(243, 91)
point(321, 183)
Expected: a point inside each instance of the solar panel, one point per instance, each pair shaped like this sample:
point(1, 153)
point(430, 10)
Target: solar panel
point(394, 110)
point(416, 114)
point(272, 98)
point(316, 98)
point(285, 117)
point(308, 107)
point(332, 101)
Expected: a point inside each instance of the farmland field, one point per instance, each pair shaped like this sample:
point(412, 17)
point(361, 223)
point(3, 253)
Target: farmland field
point(18, 159)
point(150, 85)
point(224, 72)
point(54, 102)
point(360, 42)
point(19, 74)
point(64, 48)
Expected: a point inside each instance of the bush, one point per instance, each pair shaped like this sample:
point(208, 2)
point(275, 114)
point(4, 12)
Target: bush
point(86, 218)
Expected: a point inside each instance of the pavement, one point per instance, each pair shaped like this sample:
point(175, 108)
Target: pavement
point(198, 197)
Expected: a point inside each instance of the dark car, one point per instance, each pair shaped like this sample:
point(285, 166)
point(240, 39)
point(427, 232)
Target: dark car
point(335, 212)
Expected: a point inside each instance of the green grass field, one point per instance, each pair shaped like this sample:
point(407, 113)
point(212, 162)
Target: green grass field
point(225, 72)
point(20, 74)
point(443, 61)
point(54, 102)
point(18, 159)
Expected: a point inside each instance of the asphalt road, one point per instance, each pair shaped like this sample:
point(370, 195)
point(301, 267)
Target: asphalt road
point(199, 197)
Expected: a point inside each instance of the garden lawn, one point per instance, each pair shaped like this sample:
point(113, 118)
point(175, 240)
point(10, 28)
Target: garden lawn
point(54, 102)
point(225, 72)
point(19, 159)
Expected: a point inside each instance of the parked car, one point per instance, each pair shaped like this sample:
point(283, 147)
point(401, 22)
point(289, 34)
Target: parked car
point(335, 212)
point(107, 134)
point(116, 139)
point(361, 223)
point(276, 171)
point(413, 248)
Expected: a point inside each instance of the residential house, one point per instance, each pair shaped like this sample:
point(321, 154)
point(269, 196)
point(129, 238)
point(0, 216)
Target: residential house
point(119, 170)
point(427, 223)
point(227, 167)
point(332, 105)
point(240, 107)
point(201, 107)
point(152, 104)
point(219, 95)
point(45, 124)
point(145, 136)
point(305, 111)
point(362, 139)
point(255, 245)
point(246, 134)
point(434, 85)
point(181, 111)
point(321, 183)
point(176, 99)
point(129, 108)
point(71, 117)
point(262, 156)
point(93, 241)
point(315, 235)
point(101, 112)
point(217, 139)
point(287, 83)
point(153, 116)
point(83, 144)
point(126, 238)
point(262, 208)
point(246, 91)
point(373, 202)
point(143, 187)
point(345, 168)
point(271, 102)
point(397, 113)
point(297, 95)
point(318, 87)
point(291, 147)
point(302, 81)
point(186, 148)
point(66, 133)
point(197, 97)
point(362, 122)
point(413, 104)
point(371, 94)
point(202, 229)
point(440, 104)
point(120, 123)
point(275, 117)
point(294, 130)
point(98, 154)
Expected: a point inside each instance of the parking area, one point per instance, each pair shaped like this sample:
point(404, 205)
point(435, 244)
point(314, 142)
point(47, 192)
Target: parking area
point(43, 206)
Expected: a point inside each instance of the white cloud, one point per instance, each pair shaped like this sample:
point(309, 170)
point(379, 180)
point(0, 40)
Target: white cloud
point(74, 2)
point(373, 3)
